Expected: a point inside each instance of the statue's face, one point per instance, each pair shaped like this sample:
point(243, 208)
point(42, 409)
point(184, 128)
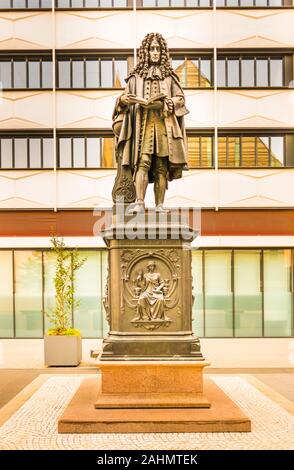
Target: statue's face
point(154, 52)
point(151, 267)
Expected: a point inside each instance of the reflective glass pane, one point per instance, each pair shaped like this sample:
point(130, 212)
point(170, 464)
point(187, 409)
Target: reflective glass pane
point(5, 74)
point(49, 289)
point(197, 312)
point(6, 153)
point(221, 72)
point(105, 3)
point(262, 72)
point(87, 316)
point(93, 152)
point(35, 153)
point(247, 72)
point(277, 151)
point(34, 74)
point(222, 152)
point(248, 295)
point(205, 79)
point(48, 157)
point(92, 3)
point(194, 160)
point(20, 74)
point(119, 3)
point(21, 153)
point(106, 73)
point(148, 3)
point(65, 152)
point(277, 293)
point(233, 150)
point(64, 74)
point(262, 144)
point(46, 3)
point(5, 3)
point(63, 3)
point(218, 293)
point(206, 151)
point(180, 69)
point(232, 3)
point(163, 3)
point(248, 151)
point(121, 72)
point(6, 294)
point(78, 74)
point(261, 3)
point(77, 3)
point(79, 153)
point(233, 73)
point(276, 72)
point(19, 3)
point(47, 81)
point(204, 3)
point(108, 158)
point(177, 3)
point(193, 73)
point(28, 293)
point(92, 73)
point(104, 275)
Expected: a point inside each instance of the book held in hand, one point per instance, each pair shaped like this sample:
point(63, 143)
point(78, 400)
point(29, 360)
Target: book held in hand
point(136, 99)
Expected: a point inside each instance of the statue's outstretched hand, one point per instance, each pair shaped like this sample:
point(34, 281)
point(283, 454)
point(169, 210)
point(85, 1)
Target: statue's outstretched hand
point(127, 99)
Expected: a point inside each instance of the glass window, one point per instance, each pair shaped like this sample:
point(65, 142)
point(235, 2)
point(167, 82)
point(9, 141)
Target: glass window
point(78, 74)
point(64, 74)
point(180, 69)
point(248, 151)
point(28, 293)
point(262, 72)
point(262, 148)
point(104, 276)
point(65, 152)
point(206, 151)
point(93, 152)
point(198, 305)
point(233, 149)
point(79, 153)
point(87, 315)
point(218, 293)
point(6, 153)
point(47, 81)
point(35, 153)
point(5, 74)
point(91, 3)
point(108, 157)
point(6, 294)
point(193, 72)
point(20, 74)
point(19, 3)
point(5, 3)
point(277, 151)
point(221, 72)
point(277, 293)
point(48, 160)
point(248, 293)
point(194, 158)
point(106, 73)
point(247, 72)
point(205, 73)
point(121, 72)
point(276, 72)
point(21, 153)
point(92, 73)
point(34, 74)
point(233, 73)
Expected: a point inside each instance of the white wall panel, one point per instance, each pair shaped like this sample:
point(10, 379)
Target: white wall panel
point(255, 108)
point(26, 110)
point(255, 28)
point(94, 29)
point(25, 30)
point(26, 189)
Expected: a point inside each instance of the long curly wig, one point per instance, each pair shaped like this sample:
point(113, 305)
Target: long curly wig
point(143, 62)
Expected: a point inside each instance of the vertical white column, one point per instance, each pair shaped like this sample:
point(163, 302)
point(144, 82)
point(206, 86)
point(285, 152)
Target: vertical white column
point(215, 109)
point(135, 30)
point(53, 32)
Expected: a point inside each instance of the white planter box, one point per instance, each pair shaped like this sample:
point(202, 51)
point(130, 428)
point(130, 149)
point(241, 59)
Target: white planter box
point(62, 350)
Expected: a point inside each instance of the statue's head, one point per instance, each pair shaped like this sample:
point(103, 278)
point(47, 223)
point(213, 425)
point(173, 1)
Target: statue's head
point(153, 51)
point(151, 266)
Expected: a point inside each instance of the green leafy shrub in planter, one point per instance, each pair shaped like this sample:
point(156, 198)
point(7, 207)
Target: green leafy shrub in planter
point(68, 261)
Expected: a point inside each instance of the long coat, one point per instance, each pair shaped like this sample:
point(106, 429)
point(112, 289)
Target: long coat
point(127, 121)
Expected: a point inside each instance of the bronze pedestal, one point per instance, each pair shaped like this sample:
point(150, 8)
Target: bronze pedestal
point(149, 290)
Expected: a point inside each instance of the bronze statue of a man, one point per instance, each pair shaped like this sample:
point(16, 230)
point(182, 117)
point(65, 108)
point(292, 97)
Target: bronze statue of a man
point(148, 123)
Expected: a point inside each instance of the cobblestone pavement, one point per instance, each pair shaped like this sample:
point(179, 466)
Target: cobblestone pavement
point(34, 425)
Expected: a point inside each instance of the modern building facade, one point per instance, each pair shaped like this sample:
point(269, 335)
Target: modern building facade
point(62, 65)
